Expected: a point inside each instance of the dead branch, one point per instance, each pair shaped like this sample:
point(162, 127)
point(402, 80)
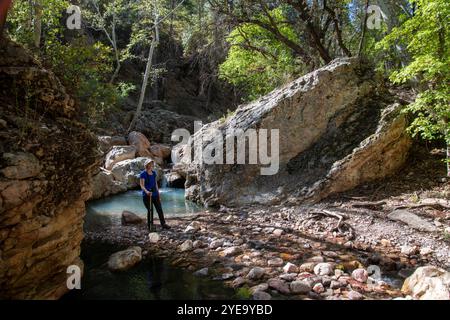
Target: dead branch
point(368, 204)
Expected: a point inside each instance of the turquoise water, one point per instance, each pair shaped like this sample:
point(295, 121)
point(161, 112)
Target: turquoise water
point(109, 210)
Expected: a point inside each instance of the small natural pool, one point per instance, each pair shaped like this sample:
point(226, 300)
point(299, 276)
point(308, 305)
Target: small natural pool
point(152, 279)
point(108, 211)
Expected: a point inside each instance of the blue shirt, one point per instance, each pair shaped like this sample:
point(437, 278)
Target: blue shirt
point(150, 182)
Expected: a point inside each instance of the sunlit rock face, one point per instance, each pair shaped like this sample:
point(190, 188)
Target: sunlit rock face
point(428, 283)
point(336, 130)
point(47, 158)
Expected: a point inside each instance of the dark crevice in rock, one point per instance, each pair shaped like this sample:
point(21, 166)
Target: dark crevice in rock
point(345, 131)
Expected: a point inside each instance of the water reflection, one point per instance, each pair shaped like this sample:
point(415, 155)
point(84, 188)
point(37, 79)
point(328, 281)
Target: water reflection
point(152, 279)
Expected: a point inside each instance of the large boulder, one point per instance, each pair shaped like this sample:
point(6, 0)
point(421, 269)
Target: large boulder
point(129, 217)
point(192, 193)
point(159, 123)
point(336, 130)
point(20, 165)
point(161, 151)
point(377, 156)
point(124, 175)
point(103, 185)
point(412, 220)
point(127, 172)
point(119, 153)
point(175, 180)
point(428, 283)
point(140, 142)
point(125, 259)
point(180, 169)
point(158, 152)
point(107, 142)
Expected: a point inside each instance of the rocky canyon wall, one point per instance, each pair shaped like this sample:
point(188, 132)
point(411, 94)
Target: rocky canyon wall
point(47, 158)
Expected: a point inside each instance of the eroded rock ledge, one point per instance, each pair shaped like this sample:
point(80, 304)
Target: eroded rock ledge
point(337, 129)
point(47, 157)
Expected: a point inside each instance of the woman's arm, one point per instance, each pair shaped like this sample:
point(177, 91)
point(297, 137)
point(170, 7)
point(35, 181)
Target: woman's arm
point(142, 183)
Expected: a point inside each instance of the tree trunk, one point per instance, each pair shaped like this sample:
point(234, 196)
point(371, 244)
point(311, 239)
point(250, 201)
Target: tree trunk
point(448, 159)
point(172, 7)
point(302, 9)
point(338, 31)
point(148, 68)
point(37, 23)
point(155, 83)
point(364, 29)
point(117, 69)
point(116, 50)
point(144, 86)
point(4, 6)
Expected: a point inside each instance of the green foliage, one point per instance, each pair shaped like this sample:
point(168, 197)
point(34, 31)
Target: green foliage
point(83, 69)
point(82, 66)
point(199, 27)
point(446, 236)
point(243, 293)
point(78, 60)
point(109, 18)
point(414, 52)
point(415, 198)
point(257, 61)
point(226, 116)
point(124, 89)
point(141, 22)
point(22, 16)
point(426, 37)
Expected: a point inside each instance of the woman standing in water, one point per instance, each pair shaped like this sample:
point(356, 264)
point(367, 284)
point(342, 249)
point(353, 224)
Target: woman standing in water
point(150, 190)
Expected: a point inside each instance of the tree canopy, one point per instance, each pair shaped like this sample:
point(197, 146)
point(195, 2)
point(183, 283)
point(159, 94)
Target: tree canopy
point(254, 45)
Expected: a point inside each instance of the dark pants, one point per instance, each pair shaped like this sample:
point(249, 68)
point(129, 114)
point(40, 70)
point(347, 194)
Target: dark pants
point(157, 204)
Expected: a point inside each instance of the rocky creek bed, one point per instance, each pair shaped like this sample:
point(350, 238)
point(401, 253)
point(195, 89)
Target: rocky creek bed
point(287, 252)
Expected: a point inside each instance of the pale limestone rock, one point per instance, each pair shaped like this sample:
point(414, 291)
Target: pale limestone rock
point(117, 154)
point(428, 283)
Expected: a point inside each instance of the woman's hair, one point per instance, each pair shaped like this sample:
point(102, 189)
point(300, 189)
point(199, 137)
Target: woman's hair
point(148, 162)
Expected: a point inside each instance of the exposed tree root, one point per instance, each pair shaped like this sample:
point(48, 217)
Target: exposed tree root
point(341, 226)
point(435, 205)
